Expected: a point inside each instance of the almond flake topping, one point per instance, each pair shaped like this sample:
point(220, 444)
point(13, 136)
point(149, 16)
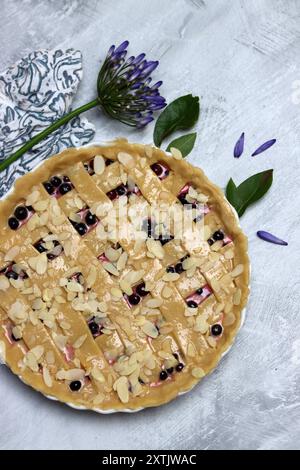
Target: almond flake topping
point(150, 329)
point(121, 387)
point(155, 248)
point(99, 164)
point(126, 159)
point(198, 372)
point(237, 270)
point(47, 377)
point(176, 153)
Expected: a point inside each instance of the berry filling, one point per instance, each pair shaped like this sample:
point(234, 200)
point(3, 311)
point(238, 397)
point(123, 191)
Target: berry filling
point(52, 248)
point(58, 186)
point(195, 299)
point(202, 209)
point(216, 329)
point(219, 235)
point(123, 190)
point(75, 386)
point(161, 170)
point(13, 272)
point(95, 327)
point(149, 226)
point(139, 291)
point(21, 215)
point(177, 267)
point(88, 222)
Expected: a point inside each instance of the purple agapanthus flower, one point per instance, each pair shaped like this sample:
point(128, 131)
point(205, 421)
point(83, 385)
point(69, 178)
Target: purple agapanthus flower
point(124, 89)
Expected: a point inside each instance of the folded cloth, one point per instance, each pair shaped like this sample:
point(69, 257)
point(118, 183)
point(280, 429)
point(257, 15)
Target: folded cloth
point(34, 93)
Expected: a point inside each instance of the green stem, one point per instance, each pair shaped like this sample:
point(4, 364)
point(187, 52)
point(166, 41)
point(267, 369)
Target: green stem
point(38, 137)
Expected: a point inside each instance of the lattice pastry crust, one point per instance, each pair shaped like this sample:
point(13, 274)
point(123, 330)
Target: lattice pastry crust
point(110, 323)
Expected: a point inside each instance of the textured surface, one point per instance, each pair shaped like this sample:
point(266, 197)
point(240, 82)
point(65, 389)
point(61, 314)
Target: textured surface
point(242, 58)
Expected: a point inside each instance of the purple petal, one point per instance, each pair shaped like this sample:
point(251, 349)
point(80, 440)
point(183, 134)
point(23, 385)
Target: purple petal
point(139, 59)
point(122, 47)
point(264, 147)
point(268, 237)
point(149, 69)
point(239, 146)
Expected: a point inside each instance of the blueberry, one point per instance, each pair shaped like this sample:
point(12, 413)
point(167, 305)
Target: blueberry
point(108, 161)
point(158, 170)
point(75, 386)
point(21, 213)
point(182, 199)
point(170, 370)
point(49, 188)
point(163, 375)
point(94, 328)
point(65, 188)
point(216, 330)
point(112, 194)
point(134, 299)
point(90, 219)
point(39, 247)
point(81, 228)
point(199, 291)
point(179, 268)
point(121, 190)
point(192, 304)
point(218, 235)
point(66, 179)
point(210, 241)
point(170, 269)
point(11, 275)
point(141, 290)
point(179, 367)
point(55, 181)
point(13, 223)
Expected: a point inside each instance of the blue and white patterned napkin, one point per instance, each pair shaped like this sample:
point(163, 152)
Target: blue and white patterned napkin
point(34, 93)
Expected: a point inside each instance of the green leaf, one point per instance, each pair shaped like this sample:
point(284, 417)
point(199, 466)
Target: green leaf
point(185, 143)
point(182, 113)
point(249, 191)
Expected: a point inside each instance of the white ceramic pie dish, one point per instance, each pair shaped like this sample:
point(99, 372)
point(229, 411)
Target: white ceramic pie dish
point(78, 407)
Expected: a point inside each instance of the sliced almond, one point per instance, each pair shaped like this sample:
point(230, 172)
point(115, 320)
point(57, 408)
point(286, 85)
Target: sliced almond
point(155, 248)
point(121, 263)
point(47, 377)
point(176, 153)
point(154, 303)
point(126, 287)
point(167, 292)
point(79, 341)
point(12, 253)
point(121, 387)
point(97, 374)
point(237, 297)
point(99, 164)
point(117, 293)
point(237, 270)
point(150, 329)
point(109, 267)
point(198, 372)
point(126, 159)
point(171, 277)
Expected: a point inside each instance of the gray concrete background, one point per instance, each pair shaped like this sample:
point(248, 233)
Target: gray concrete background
point(242, 57)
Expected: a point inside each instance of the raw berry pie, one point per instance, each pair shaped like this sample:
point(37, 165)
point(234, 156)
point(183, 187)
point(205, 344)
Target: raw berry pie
point(123, 276)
